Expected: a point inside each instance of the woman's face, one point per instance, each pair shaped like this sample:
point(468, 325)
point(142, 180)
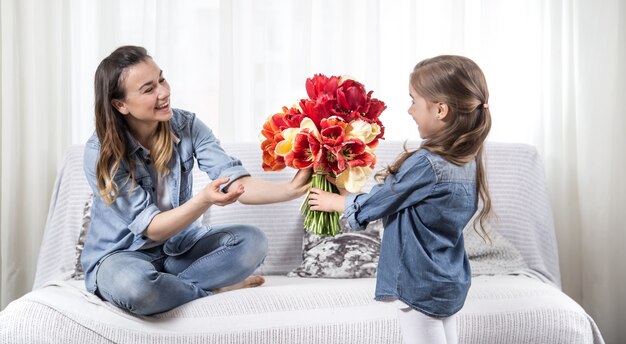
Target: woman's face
point(425, 114)
point(147, 99)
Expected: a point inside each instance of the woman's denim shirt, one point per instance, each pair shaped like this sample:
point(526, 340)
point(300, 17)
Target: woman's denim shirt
point(424, 207)
point(121, 225)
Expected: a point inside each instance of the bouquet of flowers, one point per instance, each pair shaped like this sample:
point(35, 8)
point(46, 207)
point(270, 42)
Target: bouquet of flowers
point(334, 131)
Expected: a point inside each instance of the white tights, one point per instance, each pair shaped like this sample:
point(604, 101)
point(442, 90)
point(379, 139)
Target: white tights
point(419, 328)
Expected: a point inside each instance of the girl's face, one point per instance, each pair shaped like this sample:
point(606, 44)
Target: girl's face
point(427, 115)
point(147, 99)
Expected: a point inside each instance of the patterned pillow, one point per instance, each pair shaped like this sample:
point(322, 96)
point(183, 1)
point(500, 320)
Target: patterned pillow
point(347, 255)
point(78, 273)
point(494, 258)
point(355, 254)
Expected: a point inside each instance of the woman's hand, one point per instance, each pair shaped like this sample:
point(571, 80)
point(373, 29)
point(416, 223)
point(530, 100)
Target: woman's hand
point(213, 195)
point(301, 182)
point(320, 200)
point(167, 223)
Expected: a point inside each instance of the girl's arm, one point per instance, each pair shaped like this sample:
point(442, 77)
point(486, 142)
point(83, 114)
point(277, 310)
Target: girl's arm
point(259, 191)
point(413, 182)
point(165, 224)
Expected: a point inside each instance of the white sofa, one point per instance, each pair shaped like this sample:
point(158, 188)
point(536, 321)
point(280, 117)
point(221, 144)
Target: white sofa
point(506, 303)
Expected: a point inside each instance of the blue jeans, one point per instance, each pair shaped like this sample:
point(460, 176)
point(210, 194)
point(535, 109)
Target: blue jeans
point(149, 281)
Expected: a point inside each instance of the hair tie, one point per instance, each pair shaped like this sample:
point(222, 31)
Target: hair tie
point(485, 106)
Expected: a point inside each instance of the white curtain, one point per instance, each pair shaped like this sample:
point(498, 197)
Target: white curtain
point(555, 70)
point(590, 177)
point(35, 123)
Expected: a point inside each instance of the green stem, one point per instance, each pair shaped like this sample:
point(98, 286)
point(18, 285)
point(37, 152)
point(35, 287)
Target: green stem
point(320, 222)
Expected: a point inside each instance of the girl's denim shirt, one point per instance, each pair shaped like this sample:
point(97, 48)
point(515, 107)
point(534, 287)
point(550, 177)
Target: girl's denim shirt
point(121, 225)
point(424, 207)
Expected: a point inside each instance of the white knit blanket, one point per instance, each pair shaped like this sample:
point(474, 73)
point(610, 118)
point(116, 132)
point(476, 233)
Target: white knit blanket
point(499, 309)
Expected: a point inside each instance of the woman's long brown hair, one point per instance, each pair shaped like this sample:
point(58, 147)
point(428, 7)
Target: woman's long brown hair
point(458, 82)
point(111, 126)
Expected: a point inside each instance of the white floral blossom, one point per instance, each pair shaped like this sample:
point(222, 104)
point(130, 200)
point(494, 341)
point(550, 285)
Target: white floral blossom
point(353, 178)
point(363, 130)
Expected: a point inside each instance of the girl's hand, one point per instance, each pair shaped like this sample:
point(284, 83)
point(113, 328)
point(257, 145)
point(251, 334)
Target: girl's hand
point(320, 200)
point(213, 195)
point(301, 182)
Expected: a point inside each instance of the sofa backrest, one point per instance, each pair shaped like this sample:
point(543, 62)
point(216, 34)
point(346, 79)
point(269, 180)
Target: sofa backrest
point(514, 171)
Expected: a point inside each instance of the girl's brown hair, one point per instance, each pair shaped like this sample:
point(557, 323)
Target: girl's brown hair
point(459, 83)
point(111, 126)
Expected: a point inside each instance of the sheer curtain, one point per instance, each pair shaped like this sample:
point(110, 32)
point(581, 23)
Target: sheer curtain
point(554, 84)
point(35, 123)
point(596, 163)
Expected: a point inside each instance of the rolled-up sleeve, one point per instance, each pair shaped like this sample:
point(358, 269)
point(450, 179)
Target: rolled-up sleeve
point(133, 209)
point(143, 219)
point(352, 207)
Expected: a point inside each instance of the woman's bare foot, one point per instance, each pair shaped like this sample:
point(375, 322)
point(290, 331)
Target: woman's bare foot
point(249, 282)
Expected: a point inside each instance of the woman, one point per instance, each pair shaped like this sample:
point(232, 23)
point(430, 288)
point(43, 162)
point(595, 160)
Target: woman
point(145, 251)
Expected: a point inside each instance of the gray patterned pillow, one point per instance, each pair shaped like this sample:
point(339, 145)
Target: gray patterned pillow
point(78, 273)
point(496, 257)
point(347, 255)
point(355, 254)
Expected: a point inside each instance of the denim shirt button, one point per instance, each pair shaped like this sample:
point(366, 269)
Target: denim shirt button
point(148, 161)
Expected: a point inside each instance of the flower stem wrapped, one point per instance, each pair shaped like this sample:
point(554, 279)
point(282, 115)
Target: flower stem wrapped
point(319, 222)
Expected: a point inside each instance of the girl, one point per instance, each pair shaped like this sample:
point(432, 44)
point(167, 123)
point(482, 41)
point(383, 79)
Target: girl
point(144, 251)
point(427, 198)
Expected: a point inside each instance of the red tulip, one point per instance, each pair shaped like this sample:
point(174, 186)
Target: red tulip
point(328, 160)
point(352, 99)
point(320, 85)
point(376, 107)
point(356, 153)
point(300, 156)
point(333, 130)
point(271, 161)
point(272, 132)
